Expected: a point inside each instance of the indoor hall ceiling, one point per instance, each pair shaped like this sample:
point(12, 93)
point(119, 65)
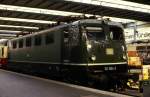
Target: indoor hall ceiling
point(79, 7)
point(26, 15)
point(61, 5)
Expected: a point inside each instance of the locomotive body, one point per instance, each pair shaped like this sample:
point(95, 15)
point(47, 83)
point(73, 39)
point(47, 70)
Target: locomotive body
point(90, 51)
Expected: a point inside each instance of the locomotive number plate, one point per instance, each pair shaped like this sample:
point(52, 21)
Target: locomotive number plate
point(110, 68)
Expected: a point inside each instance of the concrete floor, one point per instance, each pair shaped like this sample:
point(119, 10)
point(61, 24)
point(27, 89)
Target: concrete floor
point(20, 85)
point(146, 91)
point(134, 92)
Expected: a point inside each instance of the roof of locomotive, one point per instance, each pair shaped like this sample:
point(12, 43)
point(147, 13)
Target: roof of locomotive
point(41, 32)
point(96, 21)
point(82, 21)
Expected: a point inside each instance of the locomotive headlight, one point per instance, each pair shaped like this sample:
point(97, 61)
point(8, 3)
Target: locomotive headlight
point(93, 58)
point(123, 48)
point(124, 56)
point(89, 46)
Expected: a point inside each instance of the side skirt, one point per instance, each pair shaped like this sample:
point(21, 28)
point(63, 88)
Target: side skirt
point(50, 70)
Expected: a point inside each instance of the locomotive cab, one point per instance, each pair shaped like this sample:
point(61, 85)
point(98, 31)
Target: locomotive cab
point(105, 44)
point(95, 51)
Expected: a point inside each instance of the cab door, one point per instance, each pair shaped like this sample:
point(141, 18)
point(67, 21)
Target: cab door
point(66, 48)
point(71, 45)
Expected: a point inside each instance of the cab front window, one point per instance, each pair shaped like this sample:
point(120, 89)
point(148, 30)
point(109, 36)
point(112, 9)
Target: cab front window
point(95, 33)
point(116, 33)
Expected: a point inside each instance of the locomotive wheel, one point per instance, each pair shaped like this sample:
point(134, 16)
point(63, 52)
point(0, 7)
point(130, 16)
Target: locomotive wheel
point(101, 82)
point(104, 82)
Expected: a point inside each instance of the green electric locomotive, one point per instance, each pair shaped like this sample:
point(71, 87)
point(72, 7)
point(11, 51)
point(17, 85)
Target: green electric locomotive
point(89, 51)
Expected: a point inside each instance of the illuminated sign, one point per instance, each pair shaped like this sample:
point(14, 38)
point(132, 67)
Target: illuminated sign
point(143, 34)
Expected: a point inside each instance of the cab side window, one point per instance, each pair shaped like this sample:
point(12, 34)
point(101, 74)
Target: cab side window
point(28, 42)
point(116, 33)
point(14, 44)
point(20, 43)
point(49, 38)
point(38, 40)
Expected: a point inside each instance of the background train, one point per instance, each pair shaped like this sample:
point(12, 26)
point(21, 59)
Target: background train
point(90, 51)
point(3, 53)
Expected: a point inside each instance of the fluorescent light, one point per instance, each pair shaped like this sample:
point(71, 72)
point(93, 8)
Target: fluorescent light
point(26, 20)
point(3, 40)
point(49, 22)
point(61, 13)
point(8, 35)
point(36, 10)
point(24, 27)
point(10, 31)
point(118, 4)
point(112, 3)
